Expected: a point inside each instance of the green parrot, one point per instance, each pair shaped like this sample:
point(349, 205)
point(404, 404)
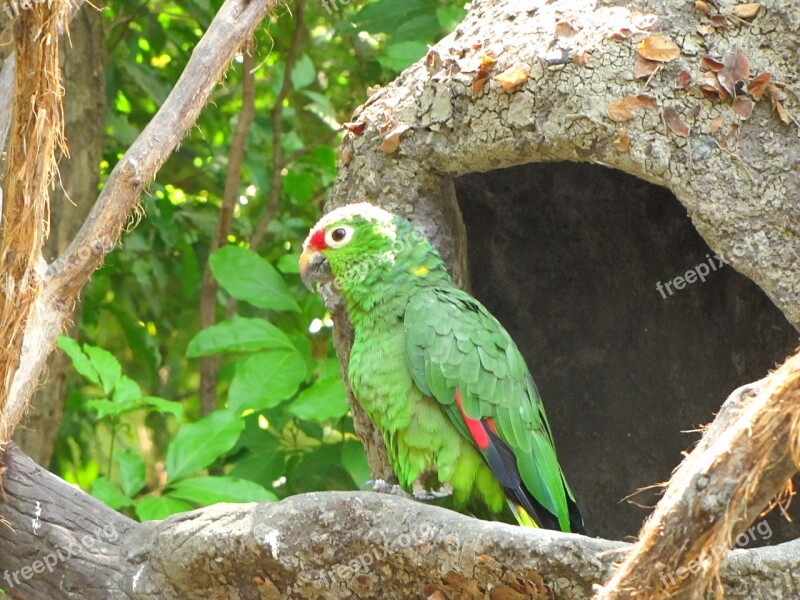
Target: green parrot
point(438, 375)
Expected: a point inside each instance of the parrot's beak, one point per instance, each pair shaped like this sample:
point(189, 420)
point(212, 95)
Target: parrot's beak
point(314, 268)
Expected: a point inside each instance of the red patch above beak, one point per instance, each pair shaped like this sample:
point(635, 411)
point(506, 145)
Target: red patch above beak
point(317, 241)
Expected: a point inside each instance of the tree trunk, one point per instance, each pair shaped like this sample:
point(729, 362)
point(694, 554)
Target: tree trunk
point(84, 83)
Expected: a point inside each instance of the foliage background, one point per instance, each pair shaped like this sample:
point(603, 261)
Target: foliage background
point(132, 432)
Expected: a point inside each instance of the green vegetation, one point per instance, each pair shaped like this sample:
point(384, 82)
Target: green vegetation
point(132, 431)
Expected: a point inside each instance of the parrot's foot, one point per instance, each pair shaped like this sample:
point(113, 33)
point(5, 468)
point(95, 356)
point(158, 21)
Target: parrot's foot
point(380, 486)
point(420, 493)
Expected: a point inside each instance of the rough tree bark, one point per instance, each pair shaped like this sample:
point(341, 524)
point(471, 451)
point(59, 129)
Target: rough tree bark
point(740, 191)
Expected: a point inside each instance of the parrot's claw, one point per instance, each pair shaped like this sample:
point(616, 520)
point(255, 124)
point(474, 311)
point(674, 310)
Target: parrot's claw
point(382, 487)
point(420, 493)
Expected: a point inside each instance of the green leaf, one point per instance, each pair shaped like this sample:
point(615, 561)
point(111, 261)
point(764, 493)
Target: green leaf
point(304, 73)
point(210, 490)
point(109, 494)
point(397, 57)
point(246, 276)
point(105, 408)
point(199, 444)
point(132, 472)
point(266, 379)
point(355, 461)
point(239, 334)
point(155, 508)
point(79, 360)
point(450, 16)
point(163, 406)
point(106, 365)
point(126, 390)
point(289, 264)
point(325, 399)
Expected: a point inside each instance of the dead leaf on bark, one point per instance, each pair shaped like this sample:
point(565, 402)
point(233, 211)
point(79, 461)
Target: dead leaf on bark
point(783, 114)
point(735, 72)
point(758, 85)
point(696, 109)
point(580, 59)
point(621, 110)
point(743, 107)
point(356, 128)
point(513, 76)
point(347, 154)
point(623, 141)
point(710, 87)
point(777, 97)
point(683, 80)
point(705, 30)
point(674, 122)
point(701, 7)
point(746, 11)
point(565, 29)
point(480, 80)
point(659, 48)
point(643, 67)
point(391, 141)
point(711, 64)
point(716, 124)
point(719, 21)
point(477, 63)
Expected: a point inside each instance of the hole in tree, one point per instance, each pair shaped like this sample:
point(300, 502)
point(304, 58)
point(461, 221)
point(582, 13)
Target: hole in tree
point(568, 256)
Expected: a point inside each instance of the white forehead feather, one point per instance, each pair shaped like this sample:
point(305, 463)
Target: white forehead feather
point(365, 210)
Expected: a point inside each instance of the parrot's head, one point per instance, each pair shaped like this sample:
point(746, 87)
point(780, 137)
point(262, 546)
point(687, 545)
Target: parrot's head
point(361, 243)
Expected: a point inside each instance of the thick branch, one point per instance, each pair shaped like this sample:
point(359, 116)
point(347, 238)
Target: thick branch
point(231, 27)
point(319, 545)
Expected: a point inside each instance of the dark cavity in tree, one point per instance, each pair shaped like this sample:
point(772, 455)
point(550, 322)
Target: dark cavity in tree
point(568, 257)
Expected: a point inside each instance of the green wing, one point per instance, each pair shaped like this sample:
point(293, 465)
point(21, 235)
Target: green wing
point(454, 343)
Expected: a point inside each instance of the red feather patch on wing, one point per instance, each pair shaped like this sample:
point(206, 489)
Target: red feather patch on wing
point(476, 429)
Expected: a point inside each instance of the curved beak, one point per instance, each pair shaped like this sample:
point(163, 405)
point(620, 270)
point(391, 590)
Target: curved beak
point(314, 268)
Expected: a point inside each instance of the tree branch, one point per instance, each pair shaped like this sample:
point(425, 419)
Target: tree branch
point(329, 545)
point(209, 365)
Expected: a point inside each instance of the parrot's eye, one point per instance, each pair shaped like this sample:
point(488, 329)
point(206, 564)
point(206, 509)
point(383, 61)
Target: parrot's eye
point(339, 236)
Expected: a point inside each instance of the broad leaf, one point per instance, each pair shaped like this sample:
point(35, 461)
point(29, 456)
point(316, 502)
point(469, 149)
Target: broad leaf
point(155, 508)
point(239, 334)
point(132, 472)
point(325, 399)
point(106, 364)
point(210, 490)
point(266, 379)
point(79, 360)
point(199, 444)
point(109, 494)
point(246, 276)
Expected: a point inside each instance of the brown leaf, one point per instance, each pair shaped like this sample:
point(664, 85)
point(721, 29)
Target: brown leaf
point(758, 85)
point(659, 48)
point(623, 141)
point(701, 7)
point(719, 21)
point(783, 114)
point(504, 592)
point(716, 124)
point(565, 29)
point(580, 59)
point(674, 122)
point(622, 110)
point(746, 11)
point(513, 76)
point(683, 80)
point(711, 64)
point(736, 70)
point(743, 107)
point(710, 87)
point(643, 67)
point(391, 141)
point(480, 80)
point(356, 128)
point(478, 62)
point(705, 29)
